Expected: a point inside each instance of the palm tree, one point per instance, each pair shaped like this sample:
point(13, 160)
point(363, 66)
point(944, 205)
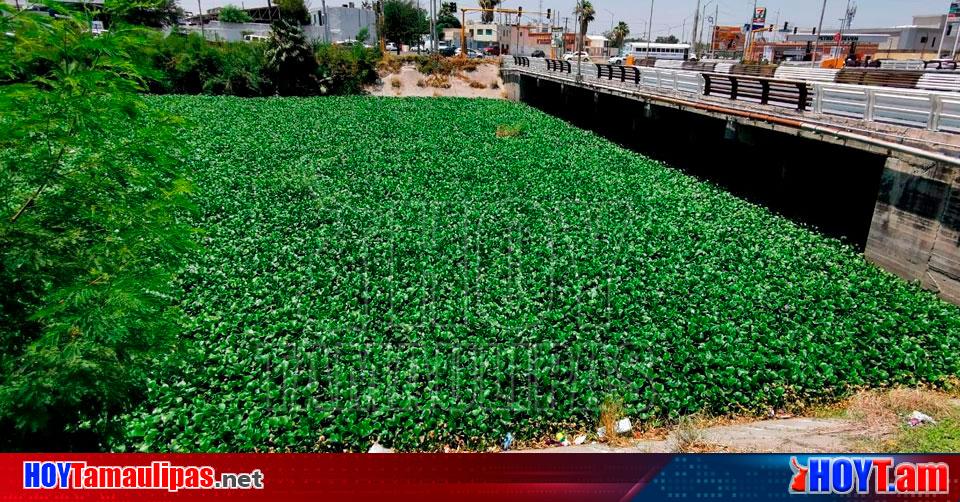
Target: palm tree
point(487, 17)
point(619, 34)
point(585, 13)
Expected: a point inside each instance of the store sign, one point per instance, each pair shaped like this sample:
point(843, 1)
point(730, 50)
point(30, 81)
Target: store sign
point(760, 15)
point(954, 14)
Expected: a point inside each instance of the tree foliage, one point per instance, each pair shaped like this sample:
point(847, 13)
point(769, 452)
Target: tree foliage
point(669, 39)
point(232, 14)
point(293, 11)
point(403, 22)
point(618, 34)
point(290, 60)
point(585, 13)
point(150, 13)
point(93, 223)
point(447, 17)
point(487, 16)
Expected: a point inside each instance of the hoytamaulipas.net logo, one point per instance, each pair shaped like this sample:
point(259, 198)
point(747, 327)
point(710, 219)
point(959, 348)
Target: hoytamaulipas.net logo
point(160, 475)
point(868, 475)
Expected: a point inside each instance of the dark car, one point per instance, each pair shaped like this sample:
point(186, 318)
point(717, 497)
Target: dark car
point(448, 52)
point(538, 54)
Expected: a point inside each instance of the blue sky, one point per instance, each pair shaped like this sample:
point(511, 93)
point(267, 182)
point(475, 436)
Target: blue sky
point(669, 15)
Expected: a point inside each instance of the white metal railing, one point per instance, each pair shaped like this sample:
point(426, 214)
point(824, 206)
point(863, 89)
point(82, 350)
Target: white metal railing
point(933, 110)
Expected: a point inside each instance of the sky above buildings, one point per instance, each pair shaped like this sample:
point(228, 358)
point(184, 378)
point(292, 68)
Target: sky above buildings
point(672, 16)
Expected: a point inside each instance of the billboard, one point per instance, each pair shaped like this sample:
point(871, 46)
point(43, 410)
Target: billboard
point(728, 38)
point(954, 14)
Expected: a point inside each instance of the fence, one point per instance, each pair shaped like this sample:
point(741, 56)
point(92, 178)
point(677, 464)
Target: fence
point(931, 109)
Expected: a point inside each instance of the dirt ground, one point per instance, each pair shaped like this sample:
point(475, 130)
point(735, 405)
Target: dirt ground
point(868, 422)
point(413, 83)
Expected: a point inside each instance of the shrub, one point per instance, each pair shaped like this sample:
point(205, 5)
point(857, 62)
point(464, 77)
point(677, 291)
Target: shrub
point(395, 83)
point(291, 62)
point(91, 234)
point(345, 69)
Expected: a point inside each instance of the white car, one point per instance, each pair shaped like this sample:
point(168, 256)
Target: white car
point(391, 47)
point(573, 56)
point(471, 53)
point(616, 60)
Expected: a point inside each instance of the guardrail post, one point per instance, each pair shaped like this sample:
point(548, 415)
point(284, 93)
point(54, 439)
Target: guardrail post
point(936, 112)
point(705, 84)
point(636, 76)
point(818, 98)
point(804, 92)
point(764, 92)
point(871, 105)
point(733, 87)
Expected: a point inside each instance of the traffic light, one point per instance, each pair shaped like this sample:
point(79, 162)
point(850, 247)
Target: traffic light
point(548, 13)
point(453, 7)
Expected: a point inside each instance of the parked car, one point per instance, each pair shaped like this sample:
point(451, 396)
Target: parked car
point(391, 47)
point(538, 54)
point(493, 50)
point(573, 56)
point(471, 53)
point(448, 51)
point(616, 60)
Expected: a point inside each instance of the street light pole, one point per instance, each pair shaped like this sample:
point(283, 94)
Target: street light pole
point(650, 28)
point(816, 46)
point(696, 25)
point(203, 33)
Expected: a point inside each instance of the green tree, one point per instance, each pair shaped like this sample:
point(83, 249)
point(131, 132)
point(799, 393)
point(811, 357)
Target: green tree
point(92, 232)
point(585, 15)
point(487, 17)
point(232, 14)
point(293, 11)
point(150, 13)
point(403, 22)
point(618, 34)
point(290, 61)
point(447, 17)
point(670, 39)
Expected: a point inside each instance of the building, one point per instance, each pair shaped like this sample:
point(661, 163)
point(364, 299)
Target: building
point(595, 45)
point(922, 39)
point(342, 24)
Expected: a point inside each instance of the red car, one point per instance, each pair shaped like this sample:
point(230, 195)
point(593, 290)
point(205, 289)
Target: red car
point(493, 50)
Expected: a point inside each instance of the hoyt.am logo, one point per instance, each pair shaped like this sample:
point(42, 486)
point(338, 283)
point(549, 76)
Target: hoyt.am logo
point(868, 475)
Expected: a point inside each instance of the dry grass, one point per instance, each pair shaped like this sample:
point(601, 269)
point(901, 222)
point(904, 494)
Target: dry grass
point(494, 85)
point(477, 85)
point(439, 81)
point(689, 438)
point(611, 410)
point(395, 83)
point(421, 83)
point(389, 65)
point(880, 412)
point(512, 131)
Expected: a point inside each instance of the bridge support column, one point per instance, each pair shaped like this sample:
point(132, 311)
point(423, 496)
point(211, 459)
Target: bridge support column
point(915, 231)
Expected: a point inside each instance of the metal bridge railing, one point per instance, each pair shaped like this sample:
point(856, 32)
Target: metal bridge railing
point(933, 110)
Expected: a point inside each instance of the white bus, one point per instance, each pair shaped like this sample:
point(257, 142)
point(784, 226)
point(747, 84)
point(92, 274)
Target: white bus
point(679, 52)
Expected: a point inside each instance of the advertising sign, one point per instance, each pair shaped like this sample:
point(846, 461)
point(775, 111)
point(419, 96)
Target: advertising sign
point(728, 38)
point(760, 15)
point(954, 14)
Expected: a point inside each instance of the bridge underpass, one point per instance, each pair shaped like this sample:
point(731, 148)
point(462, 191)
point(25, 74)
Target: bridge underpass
point(893, 192)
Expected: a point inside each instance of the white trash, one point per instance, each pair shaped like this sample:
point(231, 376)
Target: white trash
point(377, 448)
point(624, 426)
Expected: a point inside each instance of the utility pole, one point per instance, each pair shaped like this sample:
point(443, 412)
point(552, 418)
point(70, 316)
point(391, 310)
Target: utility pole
point(696, 24)
point(433, 26)
point(946, 24)
point(650, 27)
point(749, 49)
point(203, 33)
point(326, 22)
point(843, 23)
point(713, 38)
point(816, 44)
